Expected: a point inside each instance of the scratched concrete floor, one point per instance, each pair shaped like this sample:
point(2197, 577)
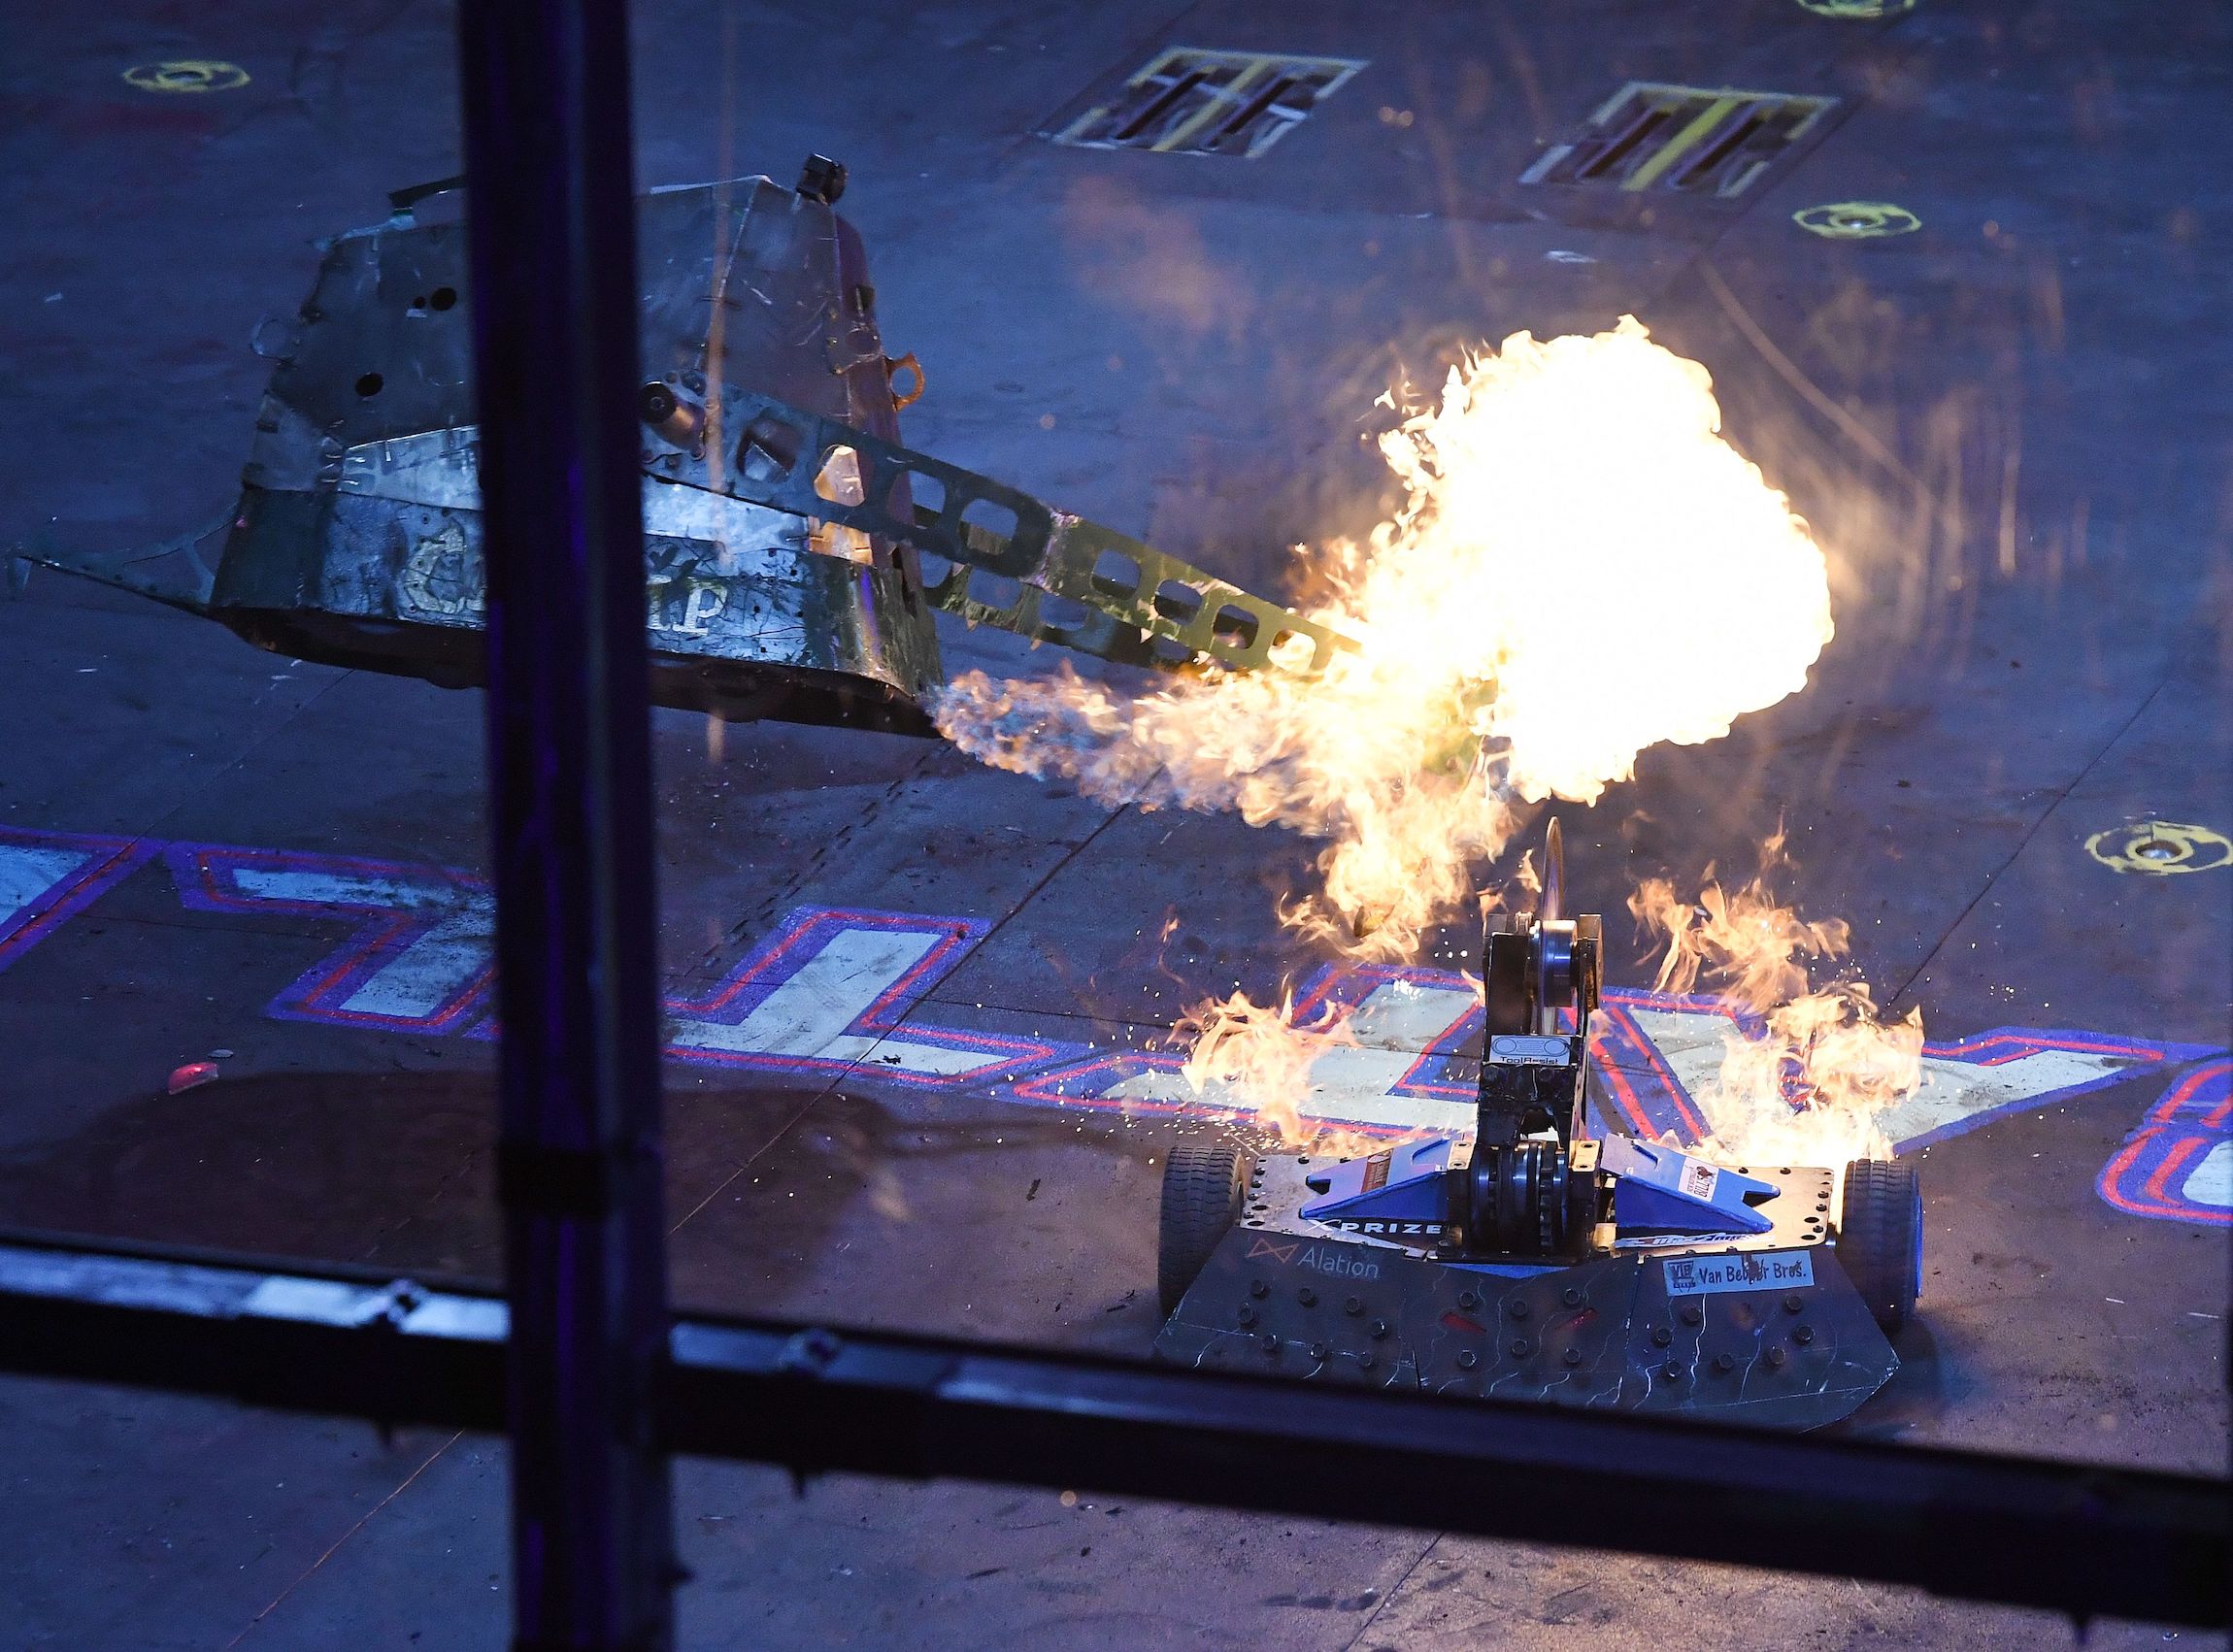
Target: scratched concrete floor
point(1180, 349)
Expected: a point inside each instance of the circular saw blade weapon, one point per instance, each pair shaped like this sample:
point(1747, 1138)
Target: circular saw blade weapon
point(1533, 1187)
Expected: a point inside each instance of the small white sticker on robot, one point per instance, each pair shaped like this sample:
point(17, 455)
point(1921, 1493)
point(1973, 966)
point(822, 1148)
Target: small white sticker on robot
point(1747, 1270)
point(1699, 1178)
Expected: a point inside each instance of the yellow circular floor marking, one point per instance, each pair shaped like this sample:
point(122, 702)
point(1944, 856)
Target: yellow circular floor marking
point(1857, 220)
point(1858, 7)
point(187, 75)
point(2156, 847)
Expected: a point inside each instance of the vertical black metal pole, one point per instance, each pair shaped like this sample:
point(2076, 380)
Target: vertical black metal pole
point(551, 230)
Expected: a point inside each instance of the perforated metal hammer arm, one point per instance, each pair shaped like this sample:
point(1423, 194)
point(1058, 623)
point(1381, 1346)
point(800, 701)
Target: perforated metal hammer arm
point(1052, 576)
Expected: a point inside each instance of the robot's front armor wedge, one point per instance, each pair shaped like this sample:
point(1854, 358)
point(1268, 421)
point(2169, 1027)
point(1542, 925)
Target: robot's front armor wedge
point(787, 531)
point(358, 541)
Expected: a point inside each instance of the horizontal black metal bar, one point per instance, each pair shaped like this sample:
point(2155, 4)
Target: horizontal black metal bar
point(2077, 1538)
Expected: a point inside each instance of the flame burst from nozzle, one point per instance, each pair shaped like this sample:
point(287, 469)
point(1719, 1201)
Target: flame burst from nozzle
point(1582, 569)
point(1812, 1085)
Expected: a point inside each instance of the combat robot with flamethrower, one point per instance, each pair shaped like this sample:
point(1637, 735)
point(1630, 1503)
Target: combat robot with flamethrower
point(1534, 1260)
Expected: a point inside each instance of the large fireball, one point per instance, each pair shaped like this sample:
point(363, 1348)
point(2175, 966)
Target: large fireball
point(1582, 568)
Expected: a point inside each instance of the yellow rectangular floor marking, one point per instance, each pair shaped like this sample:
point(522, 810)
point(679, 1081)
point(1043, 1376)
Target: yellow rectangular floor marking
point(1180, 82)
point(1671, 151)
point(1602, 115)
point(1788, 100)
point(1102, 110)
point(1819, 107)
point(1157, 66)
point(1222, 101)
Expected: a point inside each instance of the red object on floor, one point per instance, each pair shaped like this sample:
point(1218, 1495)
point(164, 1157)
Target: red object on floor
point(187, 1076)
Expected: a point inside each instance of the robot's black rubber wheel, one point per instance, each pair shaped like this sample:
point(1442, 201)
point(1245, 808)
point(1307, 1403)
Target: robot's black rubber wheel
point(1203, 1188)
point(1880, 1237)
point(1505, 985)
